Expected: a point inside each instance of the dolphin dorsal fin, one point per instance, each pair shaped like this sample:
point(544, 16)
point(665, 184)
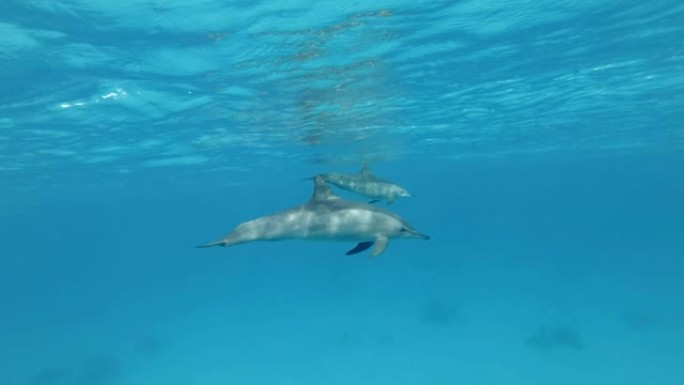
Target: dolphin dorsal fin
point(321, 190)
point(365, 169)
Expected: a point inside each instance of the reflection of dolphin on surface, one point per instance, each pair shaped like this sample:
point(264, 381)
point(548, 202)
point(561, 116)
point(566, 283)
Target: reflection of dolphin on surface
point(326, 217)
point(366, 184)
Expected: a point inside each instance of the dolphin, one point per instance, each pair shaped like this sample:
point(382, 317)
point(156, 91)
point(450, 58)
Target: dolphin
point(366, 184)
point(326, 217)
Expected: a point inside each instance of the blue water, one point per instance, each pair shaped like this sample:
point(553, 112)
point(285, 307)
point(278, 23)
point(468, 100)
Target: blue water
point(543, 143)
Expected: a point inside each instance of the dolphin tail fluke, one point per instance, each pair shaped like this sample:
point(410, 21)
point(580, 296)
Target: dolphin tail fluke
point(211, 244)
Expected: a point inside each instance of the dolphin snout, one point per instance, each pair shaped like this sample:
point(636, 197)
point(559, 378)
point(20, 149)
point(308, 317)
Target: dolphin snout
point(423, 236)
point(419, 235)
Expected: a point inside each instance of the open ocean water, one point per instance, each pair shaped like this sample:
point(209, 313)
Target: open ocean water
point(542, 141)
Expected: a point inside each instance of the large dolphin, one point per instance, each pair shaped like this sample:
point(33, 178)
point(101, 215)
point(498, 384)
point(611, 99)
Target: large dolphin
point(366, 184)
point(326, 217)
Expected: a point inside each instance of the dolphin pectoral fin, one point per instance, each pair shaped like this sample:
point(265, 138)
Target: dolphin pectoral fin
point(361, 246)
point(373, 201)
point(380, 246)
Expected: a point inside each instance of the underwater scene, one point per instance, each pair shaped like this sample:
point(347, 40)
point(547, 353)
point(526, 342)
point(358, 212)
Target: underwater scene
point(300, 192)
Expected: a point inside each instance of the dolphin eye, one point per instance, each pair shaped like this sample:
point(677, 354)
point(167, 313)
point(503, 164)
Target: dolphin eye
point(403, 229)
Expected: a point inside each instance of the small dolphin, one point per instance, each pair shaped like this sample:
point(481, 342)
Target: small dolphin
point(326, 217)
point(366, 184)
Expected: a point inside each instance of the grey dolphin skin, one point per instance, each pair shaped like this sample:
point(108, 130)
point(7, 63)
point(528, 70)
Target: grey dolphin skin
point(326, 217)
point(366, 184)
